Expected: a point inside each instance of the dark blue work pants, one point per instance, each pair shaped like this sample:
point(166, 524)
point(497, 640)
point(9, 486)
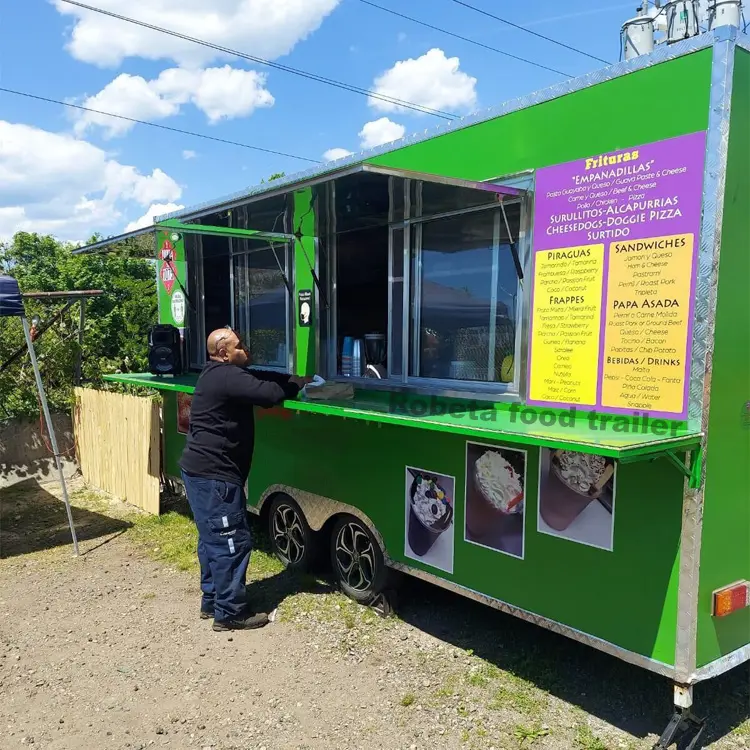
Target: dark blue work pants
point(224, 544)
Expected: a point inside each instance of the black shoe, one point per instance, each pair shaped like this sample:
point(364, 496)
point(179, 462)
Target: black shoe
point(249, 622)
point(207, 614)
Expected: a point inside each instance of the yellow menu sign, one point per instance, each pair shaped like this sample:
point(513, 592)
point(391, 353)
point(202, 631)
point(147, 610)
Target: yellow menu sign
point(565, 337)
point(647, 323)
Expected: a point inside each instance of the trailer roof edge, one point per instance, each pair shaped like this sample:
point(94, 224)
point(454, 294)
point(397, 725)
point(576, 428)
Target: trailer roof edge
point(661, 55)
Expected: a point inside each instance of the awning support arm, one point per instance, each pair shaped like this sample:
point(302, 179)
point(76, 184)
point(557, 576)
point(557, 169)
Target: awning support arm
point(287, 283)
point(513, 246)
point(691, 470)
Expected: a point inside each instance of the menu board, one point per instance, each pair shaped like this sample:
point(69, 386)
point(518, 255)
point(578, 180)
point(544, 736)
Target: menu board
point(615, 254)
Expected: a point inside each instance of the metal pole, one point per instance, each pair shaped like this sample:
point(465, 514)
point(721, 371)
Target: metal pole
point(50, 428)
point(81, 324)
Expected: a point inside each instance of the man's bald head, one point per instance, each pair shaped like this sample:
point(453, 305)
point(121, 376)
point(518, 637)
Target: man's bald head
point(224, 345)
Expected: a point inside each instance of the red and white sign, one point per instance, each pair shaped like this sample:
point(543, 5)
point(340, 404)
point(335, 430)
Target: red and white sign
point(167, 277)
point(167, 250)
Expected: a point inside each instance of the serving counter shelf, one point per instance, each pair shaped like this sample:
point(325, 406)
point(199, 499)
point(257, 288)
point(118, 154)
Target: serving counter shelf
point(598, 435)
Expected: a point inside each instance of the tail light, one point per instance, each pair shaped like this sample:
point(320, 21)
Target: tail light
point(731, 599)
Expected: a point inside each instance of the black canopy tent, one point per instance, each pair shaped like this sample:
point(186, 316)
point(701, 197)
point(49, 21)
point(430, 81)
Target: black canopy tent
point(11, 306)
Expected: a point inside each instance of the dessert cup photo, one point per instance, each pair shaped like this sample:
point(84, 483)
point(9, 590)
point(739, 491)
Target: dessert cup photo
point(577, 497)
point(429, 528)
point(495, 498)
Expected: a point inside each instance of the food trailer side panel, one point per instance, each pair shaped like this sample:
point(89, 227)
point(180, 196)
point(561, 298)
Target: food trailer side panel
point(626, 596)
point(649, 105)
point(725, 550)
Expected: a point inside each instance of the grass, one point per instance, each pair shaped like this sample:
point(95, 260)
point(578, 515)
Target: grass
point(466, 682)
point(482, 674)
point(528, 735)
point(170, 538)
point(587, 740)
point(519, 695)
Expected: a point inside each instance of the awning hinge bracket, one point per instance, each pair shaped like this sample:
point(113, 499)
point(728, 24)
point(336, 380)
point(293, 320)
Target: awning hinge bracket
point(692, 469)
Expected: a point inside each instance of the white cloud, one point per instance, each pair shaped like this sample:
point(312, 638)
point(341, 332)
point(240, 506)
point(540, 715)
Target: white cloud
point(265, 28)
point(336, 153)
point(156, 209)
point(221, 93)
point(54, 183)
point(187, 154)
point(433, 80)
point(381, 131)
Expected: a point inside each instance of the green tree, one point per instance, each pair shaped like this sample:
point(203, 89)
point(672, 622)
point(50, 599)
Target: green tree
point(117, 322)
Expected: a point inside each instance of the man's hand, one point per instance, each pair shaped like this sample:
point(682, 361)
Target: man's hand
point(300, 381)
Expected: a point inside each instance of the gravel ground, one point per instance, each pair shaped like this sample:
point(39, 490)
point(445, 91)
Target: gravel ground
point(107, 651)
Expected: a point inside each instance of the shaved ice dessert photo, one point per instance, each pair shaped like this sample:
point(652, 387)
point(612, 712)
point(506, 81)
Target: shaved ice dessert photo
point(495, 497)
point(431, 511)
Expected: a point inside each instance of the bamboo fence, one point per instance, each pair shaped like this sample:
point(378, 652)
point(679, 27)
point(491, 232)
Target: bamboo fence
point(118, 445)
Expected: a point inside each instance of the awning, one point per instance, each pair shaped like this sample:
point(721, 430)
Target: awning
point(11, 302)
point(173, 225)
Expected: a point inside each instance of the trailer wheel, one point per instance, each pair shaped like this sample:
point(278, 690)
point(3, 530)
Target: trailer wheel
point(357, 560)
point(292, 539)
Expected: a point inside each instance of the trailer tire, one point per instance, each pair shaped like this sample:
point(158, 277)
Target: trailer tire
point(292, 540)
point(357, 560)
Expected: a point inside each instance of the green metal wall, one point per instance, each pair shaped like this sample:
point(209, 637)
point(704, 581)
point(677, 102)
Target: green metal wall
point(304, 260)
point(627, 596)
point(725, 553)
point(656, 103)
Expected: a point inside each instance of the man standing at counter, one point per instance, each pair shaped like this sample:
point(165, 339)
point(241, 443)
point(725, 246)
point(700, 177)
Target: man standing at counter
point(215, 465)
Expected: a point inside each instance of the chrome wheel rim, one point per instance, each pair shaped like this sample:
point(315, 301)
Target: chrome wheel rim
point(288, 534)
point(355, 557)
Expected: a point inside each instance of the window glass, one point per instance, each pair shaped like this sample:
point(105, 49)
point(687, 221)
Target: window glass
point(362, 200)
point(397, 302)
point(268, 215)
point(431, 198)
point(466, 289)
point(362, 297)
point(396, 188)
point(261, 303)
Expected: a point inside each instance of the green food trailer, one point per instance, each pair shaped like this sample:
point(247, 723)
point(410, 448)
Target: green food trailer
point(541, 320)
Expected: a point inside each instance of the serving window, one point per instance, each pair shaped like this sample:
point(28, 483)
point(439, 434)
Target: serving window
point(426, 283)
point(244, 283)
point(464, 294)
point(261, 303)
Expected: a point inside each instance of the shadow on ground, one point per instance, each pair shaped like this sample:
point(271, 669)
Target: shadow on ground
point(33, 520)
point(625, 696)
point(268, 593)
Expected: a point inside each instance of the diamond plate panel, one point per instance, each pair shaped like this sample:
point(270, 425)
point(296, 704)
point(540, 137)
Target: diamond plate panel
point(703, 338)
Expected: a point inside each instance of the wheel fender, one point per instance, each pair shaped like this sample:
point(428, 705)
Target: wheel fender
point(318, 509)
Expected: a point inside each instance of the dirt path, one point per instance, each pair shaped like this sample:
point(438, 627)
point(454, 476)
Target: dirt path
point(107, 651)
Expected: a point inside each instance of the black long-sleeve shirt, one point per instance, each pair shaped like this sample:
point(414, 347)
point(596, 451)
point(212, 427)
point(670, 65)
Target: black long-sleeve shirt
point(221, 437)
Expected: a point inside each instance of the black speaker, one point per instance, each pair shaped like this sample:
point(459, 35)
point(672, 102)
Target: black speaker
point(164, 350)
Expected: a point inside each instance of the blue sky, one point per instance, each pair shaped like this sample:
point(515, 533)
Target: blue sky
point(71, 177)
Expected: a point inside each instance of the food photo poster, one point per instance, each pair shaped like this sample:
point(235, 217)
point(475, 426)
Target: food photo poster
point(577, 497)
point(496, 498)
point(430, 522)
